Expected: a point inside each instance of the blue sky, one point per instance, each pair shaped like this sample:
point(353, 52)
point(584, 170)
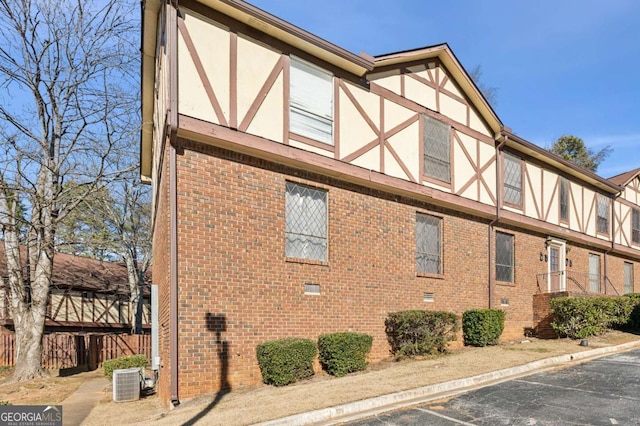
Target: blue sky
point(561, 67)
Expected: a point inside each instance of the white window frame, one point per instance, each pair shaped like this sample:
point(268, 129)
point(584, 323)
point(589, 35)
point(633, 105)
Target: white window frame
point(309, 114)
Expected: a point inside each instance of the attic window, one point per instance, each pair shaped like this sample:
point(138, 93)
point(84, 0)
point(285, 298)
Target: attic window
point(635, 226)
point(603, 214)
point(437, 149)
point(512, 180)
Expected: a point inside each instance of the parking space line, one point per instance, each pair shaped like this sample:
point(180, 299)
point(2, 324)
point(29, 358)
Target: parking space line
point(433, 413)
point(530, 382)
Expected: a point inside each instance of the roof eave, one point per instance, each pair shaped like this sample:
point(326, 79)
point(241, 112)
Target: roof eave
point(291, 34)
point(251, 16)
point(521, 145)
point(150, 9)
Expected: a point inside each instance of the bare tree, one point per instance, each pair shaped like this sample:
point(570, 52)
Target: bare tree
point(490, 93)
point(114, 224)
point(68, 105)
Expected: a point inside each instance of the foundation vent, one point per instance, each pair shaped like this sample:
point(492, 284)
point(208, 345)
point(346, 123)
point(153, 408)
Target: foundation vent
point(310, 288)
point(428, 297)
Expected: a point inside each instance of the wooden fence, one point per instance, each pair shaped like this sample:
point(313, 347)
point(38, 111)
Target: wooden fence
point(69, 351)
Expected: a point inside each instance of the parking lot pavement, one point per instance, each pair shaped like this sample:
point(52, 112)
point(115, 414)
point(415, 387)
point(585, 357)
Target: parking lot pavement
point(605, 391)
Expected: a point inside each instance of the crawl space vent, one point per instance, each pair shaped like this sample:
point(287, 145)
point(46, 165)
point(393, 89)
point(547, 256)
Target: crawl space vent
point(428, 297)
point(126, 385)
point(310, 288)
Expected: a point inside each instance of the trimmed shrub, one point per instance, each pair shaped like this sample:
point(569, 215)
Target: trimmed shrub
point(419, 333)
point(482, 327)
point(581, 317)
point(286, 361)
point(344, 353)
point(129, 361)
point(634, 317)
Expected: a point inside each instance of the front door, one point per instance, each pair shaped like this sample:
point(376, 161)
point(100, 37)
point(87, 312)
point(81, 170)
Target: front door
point(557, 277)
point(594, 273)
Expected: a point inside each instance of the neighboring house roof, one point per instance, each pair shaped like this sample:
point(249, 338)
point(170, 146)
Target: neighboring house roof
point(82, 273)
point(623, 179)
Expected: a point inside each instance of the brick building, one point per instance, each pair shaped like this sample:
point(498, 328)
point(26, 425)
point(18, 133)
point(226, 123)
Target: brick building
point(300, 189)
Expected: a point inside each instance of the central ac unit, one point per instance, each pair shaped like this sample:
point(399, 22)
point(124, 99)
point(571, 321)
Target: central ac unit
point(126, 384)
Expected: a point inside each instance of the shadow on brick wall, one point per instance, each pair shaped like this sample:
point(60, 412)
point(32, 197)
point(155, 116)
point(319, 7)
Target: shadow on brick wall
point(216, 323)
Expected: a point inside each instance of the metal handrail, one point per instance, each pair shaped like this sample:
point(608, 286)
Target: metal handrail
point(575, 282)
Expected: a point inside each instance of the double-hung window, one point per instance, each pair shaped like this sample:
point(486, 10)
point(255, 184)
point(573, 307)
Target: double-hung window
point(504, 257)
point(603, 214)
point(311, 101)
point(512, 180)
point(564, 200)
point(635, 226)
point(306, 222)
point(437, 149)
point(628, 277)
point(428, 244)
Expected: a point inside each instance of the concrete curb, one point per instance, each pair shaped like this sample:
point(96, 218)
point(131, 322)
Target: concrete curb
point(372, 406)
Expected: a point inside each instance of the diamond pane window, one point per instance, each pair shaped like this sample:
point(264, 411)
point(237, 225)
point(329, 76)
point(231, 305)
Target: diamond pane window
point(306, 222)
point(428, 244)
point(564, 199)
point(437, 149)
point(504, 257)
point(603, 214)
point(635, 226)
point(512, 180)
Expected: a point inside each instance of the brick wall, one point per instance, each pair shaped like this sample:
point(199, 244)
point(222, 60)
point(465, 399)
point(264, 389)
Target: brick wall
point(237, 289)
point(160, 275)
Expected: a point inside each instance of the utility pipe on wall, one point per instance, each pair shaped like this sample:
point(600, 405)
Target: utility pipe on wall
point(503, 139)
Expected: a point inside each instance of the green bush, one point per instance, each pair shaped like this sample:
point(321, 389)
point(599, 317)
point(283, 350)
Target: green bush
point(634, 317)
point(129, 361)
point(286, 361)
point(581, 317)
point(416, 333)
point(344, 353)
point(482, 327)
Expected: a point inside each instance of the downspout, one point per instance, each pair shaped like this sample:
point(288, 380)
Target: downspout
point(613, 238)
point(172, 123)
point(497, 219)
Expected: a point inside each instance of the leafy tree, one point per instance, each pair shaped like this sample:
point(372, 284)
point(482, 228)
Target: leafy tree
point(68, 112)
point(573, 149)
point(490, 93)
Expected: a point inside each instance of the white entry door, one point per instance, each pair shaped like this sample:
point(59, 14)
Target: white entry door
point(556, 253)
